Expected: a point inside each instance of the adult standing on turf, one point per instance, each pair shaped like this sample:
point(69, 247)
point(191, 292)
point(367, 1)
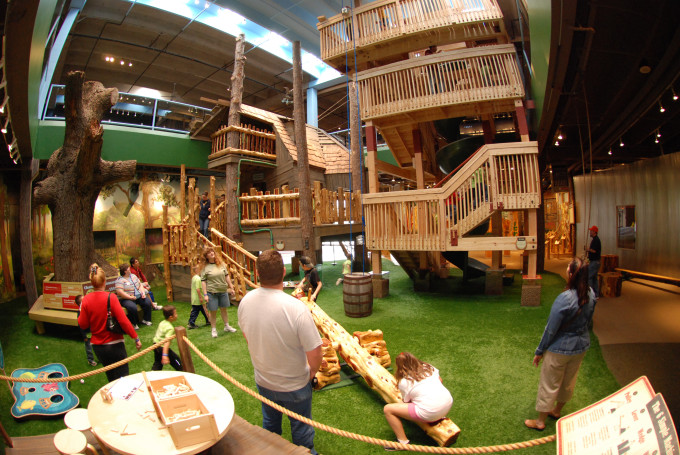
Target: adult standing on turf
point(216, 283)
point(284, 346)
point(108, 346)
point(565, 340)
point(594, 253)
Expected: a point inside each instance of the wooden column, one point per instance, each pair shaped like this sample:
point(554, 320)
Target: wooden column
point(356, 147)
point(497, 231)
point(28, 174)
point(182, 192)
point(420, 184)
point(373, 187)
point(213, 206)
point(232, 227)
point(532, 230)
point(521, 119)
point(166, 257)
point(304, 179)
point(184, 350)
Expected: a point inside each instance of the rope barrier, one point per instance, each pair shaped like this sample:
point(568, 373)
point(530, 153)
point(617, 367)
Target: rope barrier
point(313, 423)
point(368, 439)
point(93, 372)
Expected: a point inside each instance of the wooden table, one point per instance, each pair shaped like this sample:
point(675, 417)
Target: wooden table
point(108, 419)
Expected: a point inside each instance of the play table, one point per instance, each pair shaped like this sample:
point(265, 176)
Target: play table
point(131, 426)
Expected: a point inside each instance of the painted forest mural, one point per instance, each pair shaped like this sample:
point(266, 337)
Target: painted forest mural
point(126, 215)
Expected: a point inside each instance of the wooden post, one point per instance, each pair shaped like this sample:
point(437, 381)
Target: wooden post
point(232, 227)
point(184, 350)
point(28, 173)
point(166, 257)
point(304, 179)
point(371, 158)
point(182, 193)
point(521, 118)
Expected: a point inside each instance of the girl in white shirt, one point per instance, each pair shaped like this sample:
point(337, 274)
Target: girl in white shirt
point(425, 399)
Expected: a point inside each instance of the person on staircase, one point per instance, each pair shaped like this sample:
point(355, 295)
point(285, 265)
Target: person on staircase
point(204, 215)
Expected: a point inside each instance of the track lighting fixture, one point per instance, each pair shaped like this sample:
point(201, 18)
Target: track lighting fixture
point(4, 103)
point(675, 95)
point(557, 143)
point(610, 151)
point(661, 108)
point(621, 144)
point(4, 127)
point(559, 136)
point(658, 133)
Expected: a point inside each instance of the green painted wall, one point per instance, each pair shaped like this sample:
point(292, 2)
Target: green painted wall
point(126, 143)
point(540, 30)
point(41, 30)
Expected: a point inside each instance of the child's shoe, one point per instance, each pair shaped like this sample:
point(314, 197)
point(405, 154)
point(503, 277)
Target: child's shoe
point(192, 326)
point(214, 333)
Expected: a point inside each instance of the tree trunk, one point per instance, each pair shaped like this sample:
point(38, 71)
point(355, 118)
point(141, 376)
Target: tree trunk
point(7, 276)
point(75, 175)
point(234, 119)
point(28, 173)
point(304, 180)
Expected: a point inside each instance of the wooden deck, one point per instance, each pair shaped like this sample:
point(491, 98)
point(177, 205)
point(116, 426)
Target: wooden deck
point(242, 438)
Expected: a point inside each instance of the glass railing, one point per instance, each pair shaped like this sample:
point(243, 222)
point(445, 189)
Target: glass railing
point(136, 111)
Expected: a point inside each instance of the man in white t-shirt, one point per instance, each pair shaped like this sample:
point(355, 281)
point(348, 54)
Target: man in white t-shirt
point(285, 348)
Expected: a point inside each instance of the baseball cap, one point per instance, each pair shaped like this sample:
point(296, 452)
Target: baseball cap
point(594, 228)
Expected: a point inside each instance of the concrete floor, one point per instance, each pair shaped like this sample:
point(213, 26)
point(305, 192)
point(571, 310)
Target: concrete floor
point(639, 332)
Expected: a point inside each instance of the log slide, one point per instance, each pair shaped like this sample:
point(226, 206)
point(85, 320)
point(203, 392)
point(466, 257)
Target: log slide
point(444, 431)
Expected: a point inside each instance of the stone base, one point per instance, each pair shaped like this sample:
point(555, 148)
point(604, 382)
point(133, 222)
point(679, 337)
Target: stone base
point(381, 287)
point(494, 282)
point(531, 292)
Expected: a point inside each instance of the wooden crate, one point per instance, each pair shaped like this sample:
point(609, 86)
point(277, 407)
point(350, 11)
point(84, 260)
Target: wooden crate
point(192, 430)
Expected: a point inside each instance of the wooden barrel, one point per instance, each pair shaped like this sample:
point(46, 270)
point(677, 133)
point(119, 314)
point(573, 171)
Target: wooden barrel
point(357, 293)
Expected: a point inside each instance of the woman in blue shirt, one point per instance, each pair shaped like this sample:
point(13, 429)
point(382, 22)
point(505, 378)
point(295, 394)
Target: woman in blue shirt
point(565, 340)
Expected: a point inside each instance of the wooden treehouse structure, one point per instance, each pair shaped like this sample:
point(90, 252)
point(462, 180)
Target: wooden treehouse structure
point(416, 63)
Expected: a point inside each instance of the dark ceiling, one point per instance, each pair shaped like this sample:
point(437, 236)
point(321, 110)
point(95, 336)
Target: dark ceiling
point(614, 62)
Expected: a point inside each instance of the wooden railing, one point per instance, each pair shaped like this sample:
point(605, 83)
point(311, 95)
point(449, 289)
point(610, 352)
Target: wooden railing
point(497, 177)
point(218, 217)
point(282, 208)
point(389, 20)
point(252, 142)
point(468, 76)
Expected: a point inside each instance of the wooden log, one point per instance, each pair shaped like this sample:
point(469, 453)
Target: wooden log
point(182, 191)
point(444, 431)
point(184, 350)
point(650, 276)
point(609, 262)
point(166, 256)
point(610, 284)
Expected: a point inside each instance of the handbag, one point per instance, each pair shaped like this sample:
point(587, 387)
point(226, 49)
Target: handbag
point(112, 324)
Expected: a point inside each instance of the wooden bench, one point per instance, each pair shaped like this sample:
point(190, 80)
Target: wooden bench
point(648, 276)
point(40, 315)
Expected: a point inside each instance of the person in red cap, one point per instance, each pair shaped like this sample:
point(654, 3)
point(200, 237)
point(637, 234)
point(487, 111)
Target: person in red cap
point(594, 252)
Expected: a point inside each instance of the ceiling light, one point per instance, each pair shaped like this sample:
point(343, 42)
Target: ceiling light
point(122, 62)
point(621, 144)
point(4, 128)
point(557, 143)
point(559, 136)
point(661, 108)
point(675, 95)
point(656, 140)
point(130, 64)
point(644, 67)
point(610, 151)
point(658, 133)
point(4, 103)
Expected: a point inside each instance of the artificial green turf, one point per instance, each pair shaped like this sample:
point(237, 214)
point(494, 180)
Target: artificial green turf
point(482, 345)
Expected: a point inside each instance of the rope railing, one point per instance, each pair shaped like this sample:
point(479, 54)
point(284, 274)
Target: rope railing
point(313, 423)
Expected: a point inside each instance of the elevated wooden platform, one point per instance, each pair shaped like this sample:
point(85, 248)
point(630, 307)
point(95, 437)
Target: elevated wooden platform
point(292, 240)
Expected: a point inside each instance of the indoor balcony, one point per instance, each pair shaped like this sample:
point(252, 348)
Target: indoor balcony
point(497, 177)
point(252, 142)
point(387, 30)
point(467, 82)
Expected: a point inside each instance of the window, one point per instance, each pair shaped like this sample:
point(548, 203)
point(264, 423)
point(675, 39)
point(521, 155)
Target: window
point(625, 226)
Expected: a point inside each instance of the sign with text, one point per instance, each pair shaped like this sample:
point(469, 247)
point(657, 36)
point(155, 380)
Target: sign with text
point(632, 421)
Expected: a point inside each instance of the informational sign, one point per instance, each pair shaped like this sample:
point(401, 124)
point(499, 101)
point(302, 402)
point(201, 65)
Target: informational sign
point(632, 421)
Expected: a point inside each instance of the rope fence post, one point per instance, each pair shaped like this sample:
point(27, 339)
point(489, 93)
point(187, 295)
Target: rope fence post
point(184, 350)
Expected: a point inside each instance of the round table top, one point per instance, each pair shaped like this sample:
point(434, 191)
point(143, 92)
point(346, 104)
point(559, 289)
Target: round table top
point(136, 416)
point(77, 419)
point(70, 441)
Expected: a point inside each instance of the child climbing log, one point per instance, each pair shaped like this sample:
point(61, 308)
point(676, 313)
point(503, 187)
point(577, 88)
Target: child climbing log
point(444, 432)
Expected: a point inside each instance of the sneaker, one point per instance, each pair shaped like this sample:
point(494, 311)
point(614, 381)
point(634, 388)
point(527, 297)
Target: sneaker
point(192, 326)
point(228, 328)
point(147, 322)
point(156, 306)
point(92, 363)
point(136, 327)
point(214, 333)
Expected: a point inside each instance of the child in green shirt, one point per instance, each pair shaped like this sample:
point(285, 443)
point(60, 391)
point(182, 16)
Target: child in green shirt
point(163, 354)
point(197, 302)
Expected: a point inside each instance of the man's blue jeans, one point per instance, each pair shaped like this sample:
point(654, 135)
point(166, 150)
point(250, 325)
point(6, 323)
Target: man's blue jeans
point(204, 226)
point(298, 401)
point(593, 268)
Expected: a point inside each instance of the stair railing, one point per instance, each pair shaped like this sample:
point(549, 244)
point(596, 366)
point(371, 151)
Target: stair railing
point(497, 177)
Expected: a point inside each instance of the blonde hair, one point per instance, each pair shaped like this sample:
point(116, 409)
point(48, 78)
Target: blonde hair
point(97, 276)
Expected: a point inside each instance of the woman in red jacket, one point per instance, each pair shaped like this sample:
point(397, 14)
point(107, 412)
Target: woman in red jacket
point(108, 346)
